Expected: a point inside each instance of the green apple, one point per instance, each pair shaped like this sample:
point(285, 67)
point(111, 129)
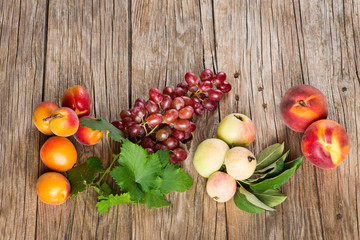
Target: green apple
point(240, 163)
point(236, 129)
point(209, 156)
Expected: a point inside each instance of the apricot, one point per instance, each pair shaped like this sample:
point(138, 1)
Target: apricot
point(209, 156)
point(41, 112)
point(301, 106)
point(88, 136)
point(58, 153)
point(240, 163)
point(221, 186)
point(78, 99)
point(53, 188)
point(236, 129)
point(325, 144)
point(63, 122)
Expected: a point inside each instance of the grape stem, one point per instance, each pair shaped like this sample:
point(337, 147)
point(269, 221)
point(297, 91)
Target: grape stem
point(152, 130)
point(115, 157)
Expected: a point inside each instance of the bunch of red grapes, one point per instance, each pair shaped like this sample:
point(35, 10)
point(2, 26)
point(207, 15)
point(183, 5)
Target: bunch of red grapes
point(165, 119)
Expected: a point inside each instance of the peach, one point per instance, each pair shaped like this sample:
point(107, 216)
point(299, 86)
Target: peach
point(325, 144)
point(53, 188)
point(221, 186)
point(58, 153)
point(209, 156)
point(240, 163)
point(236, 130)
point(88, 136)
point(41, 112)
point(301, 106)
point(78, 99)
point(63, 122)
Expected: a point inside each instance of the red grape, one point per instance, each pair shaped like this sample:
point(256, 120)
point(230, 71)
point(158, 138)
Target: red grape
point(151, 107)
point(134, 130)
point(220, 77)
point(162, 134)
point(180, 154)
point(183, 86)
point(155, 119)
point(119, 125)
point(202, 96)
point(205, 86)
point(178, 103)
point(170, 143)
point(178, 135)
point(215, 94)
point(147, 143)
point(196, 103)
point(188, 101)
point(155, 95)
point(186, 112)
point(209, 104)
point(159, 146)
point(191, 79)
point(127, 122)
point(166, 103)
point(139, 100)
point(171, 115)
point(193, 89)
point(125, 113)
point(178, 91)
point(173, 159)
point(187, 135)
point(149, 150)
point(200, 110)
point(192, 127)
point(224, 87)
point(168, 90)
point(181, 124)
point(206, 75)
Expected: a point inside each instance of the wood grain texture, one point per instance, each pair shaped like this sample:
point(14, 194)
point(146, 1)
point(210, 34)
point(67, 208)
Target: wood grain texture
point(119, 49)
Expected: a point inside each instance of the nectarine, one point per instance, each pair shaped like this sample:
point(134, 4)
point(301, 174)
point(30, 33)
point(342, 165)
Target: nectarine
point(325, 144)
point(88, 136)
point(301, 106)
point(78, 99)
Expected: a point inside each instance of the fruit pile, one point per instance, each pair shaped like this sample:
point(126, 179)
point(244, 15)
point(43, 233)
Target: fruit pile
point(233, 171)
point(325, 143)
point(58, 153)
point(164, 119)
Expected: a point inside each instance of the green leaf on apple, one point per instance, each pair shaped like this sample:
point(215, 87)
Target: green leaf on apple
point(248, 202)
point(277, 181)
point(269, 155)
point(271, 197)
point(103, 125)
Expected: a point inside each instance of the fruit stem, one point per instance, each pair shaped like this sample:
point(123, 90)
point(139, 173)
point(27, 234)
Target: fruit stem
point(108, 142)
point(152, 130)
point(302, 103)
point(52, 117)
point(115, 157)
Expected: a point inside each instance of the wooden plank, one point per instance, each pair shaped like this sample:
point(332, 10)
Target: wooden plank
point(87, 45)
point(258, 48)
point(169, 39)
point(22, 34)
point(330, 53)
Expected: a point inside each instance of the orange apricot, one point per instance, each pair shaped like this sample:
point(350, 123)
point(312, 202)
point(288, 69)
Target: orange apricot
point(53, 188)
point(58, 153)
point(41, 112)
point(64, 122)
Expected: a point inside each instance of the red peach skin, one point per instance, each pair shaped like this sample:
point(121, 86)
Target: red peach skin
point(78, 99)
point(325, 144)
point(301, 106)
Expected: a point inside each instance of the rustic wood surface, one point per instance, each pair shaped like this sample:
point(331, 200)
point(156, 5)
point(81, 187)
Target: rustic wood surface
point(119, 49)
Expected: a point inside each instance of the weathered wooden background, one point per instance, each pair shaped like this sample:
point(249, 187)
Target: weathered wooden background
point(120, 49)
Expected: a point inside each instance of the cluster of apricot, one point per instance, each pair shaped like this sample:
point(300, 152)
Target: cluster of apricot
point(58, 153)
point(325, 143)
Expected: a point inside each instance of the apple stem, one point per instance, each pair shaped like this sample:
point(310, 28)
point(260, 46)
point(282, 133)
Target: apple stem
point(52, 117)
point(250, 159)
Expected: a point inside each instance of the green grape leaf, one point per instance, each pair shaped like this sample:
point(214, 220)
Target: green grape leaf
point(155, 199)
point(271, 197)
point(164, 157)
point(248, 202)
point(83, 175)
point(277, 181)
point(269, 155)
point(106, 202)
point(103, 125)
point(174, 180)
point(138, 171)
